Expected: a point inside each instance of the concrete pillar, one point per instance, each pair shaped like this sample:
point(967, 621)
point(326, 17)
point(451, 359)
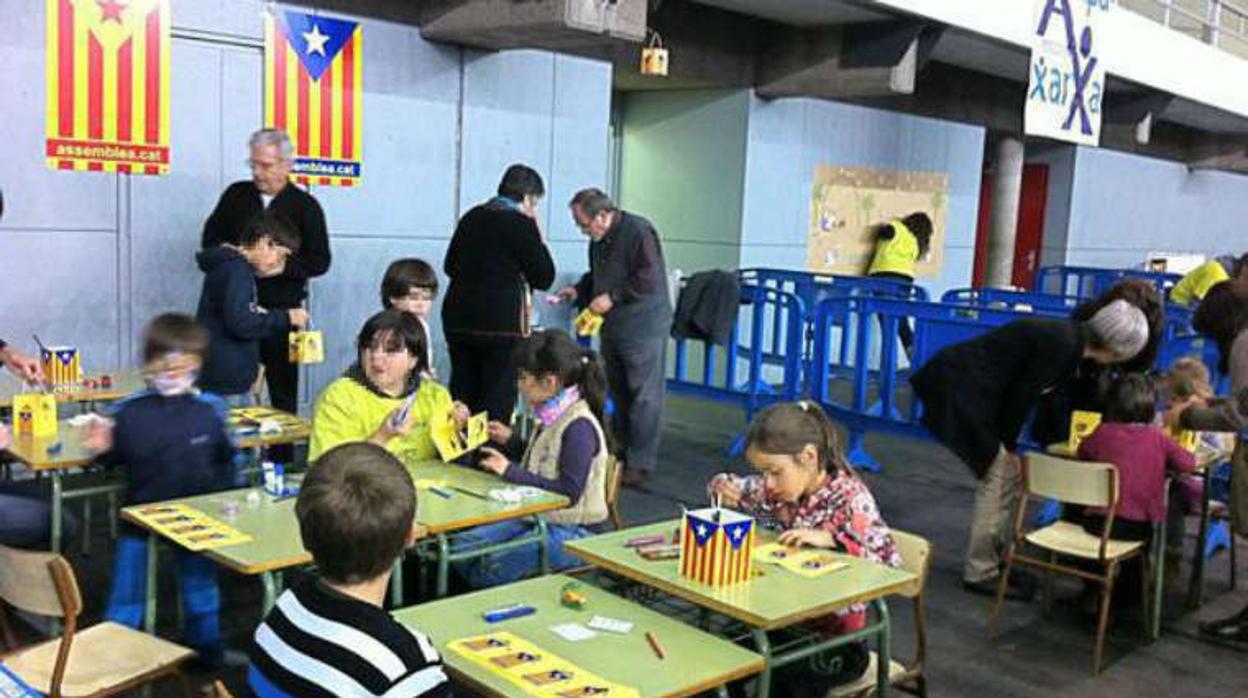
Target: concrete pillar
point(1007, 183)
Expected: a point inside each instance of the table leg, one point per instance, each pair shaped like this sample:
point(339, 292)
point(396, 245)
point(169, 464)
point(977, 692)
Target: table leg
point(57, 505)
point(444, 566)
point(1159, 582)
point(149, 605)
point(543, 546)
point(1196, 588)
point(883, 651)
point(396, 582)
point(763, 645)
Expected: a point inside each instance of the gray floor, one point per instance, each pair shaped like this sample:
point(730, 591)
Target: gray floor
point(923, 490)
point(926, 490)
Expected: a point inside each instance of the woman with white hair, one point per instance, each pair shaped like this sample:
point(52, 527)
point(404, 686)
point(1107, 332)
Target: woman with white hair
point(976, 397)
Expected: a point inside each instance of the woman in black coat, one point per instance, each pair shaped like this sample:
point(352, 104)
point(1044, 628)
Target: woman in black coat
point(976, 396)
point(496, 257)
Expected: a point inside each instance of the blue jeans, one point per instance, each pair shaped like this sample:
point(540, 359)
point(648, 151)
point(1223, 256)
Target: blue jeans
point(26, 516)
point(510, 565)
point(197, 580)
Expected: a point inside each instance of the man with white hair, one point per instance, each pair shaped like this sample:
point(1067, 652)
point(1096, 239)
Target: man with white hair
point(270, 189)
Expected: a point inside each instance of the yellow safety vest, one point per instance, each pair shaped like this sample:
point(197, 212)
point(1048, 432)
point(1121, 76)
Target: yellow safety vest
point(1197, 282)
point(896, 255)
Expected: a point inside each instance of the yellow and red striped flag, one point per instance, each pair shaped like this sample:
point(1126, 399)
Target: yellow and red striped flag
point(313, 73)
point(107, 65)
point(716, 546)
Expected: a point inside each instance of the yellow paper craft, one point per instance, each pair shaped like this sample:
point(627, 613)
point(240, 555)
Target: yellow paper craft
point(1082, 424)
point(587, 323)
point(453, 442)
point(306, 347)
point(190, 527)
point(1184, 437)
point(533, 670)
point(34, 414)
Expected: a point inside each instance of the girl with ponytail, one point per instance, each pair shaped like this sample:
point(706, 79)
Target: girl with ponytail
point(566, 387)
point(807, 489)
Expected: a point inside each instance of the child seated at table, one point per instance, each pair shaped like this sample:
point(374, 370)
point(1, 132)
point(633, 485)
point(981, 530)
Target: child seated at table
point(1187, 382)
point(411, 285)
point(805, 488)
point(386, 380)
point(565, 386)
point(171, 442)
point(1128, 438)
point(329, 635)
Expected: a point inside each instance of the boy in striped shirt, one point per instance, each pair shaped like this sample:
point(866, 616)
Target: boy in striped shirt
point(330, 635)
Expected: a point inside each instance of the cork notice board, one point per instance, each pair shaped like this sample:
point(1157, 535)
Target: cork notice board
point(848, 202)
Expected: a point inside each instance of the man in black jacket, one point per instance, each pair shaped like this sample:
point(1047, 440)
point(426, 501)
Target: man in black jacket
point(627, 284)
point(270, 189)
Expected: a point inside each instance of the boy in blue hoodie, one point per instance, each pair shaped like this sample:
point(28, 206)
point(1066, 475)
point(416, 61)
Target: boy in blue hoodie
point(171, 442)
point(228, 307)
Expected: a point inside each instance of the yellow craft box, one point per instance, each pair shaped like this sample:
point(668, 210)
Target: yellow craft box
point(34, 414)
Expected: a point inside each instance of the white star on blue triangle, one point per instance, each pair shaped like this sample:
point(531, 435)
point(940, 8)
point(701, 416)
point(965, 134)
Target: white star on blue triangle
point(316, 59)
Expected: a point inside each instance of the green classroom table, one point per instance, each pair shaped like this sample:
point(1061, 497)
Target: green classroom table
point(33, 453)
point(275, 544)
point(778, 599)
point(696, 661)
point(124, 382)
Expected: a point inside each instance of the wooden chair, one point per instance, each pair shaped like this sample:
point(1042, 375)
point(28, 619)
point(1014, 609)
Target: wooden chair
point(615, 472)
point(916, 557)
point(107, 658)
point(1082, 484)
point(217, 690)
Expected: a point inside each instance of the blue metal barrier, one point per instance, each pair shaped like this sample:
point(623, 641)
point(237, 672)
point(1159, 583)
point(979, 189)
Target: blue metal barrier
point(772, 324)
point(1089, 282)
point(814, 288)
point(878, 399)
point(1022, 301)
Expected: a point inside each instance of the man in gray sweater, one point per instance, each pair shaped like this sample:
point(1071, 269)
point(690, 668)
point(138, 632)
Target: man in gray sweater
point(627, 285)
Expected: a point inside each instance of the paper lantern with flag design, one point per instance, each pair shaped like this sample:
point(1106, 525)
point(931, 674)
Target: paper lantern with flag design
point(716, 546)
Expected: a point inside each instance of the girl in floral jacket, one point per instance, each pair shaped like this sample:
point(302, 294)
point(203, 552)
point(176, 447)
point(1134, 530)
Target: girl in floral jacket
point(805, 488)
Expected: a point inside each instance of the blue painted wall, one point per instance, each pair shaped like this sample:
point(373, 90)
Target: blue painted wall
point(789, 137)
point(1061, 162)
point(1124, 206)
point(87, 259)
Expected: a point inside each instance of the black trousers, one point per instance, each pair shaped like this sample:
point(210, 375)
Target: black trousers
point(282, 379)
point(635, 373)
point(483, 376)
point(904, 332)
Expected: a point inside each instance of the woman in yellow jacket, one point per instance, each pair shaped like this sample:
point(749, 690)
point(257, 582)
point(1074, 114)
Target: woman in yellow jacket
point(899, 245)
point(1196, 283)
point(362, 404)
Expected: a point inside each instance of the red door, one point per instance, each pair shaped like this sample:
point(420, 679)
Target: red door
point(1029, 237)
point(1029, 233)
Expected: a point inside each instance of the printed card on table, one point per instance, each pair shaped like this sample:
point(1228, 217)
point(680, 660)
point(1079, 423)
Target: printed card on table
point(534, 671)
point(189, 527)
point(806, 562)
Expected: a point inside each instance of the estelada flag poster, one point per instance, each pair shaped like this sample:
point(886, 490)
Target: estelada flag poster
point(313, 75)
point(107, 75)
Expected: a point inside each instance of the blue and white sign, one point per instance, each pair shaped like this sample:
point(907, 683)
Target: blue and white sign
point(1066, 81)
